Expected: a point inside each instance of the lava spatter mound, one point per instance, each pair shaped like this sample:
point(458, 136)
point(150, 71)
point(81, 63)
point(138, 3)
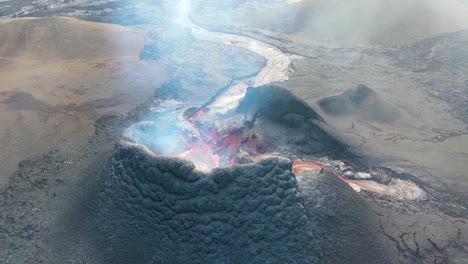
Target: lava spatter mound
point(362, 102)
point(162, 209)
point(276, 103)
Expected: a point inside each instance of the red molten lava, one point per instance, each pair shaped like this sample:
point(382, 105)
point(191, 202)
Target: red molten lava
point(225, 143)
point(199, 152)
point(298, 166)
point(194, 113)
point(212, 147)
point(201, 155)
point(256, 145)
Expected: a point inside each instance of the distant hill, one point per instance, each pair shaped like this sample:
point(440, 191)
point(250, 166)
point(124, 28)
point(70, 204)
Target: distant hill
point(59, 38)
point(59, 75)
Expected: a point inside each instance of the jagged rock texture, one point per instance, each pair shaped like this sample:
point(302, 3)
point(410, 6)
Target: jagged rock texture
point(168, 212)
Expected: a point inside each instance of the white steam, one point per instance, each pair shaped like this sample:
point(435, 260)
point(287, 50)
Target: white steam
point(387, 22)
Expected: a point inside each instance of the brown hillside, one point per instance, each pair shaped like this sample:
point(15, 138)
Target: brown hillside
point(58, 76)
point(59, 38)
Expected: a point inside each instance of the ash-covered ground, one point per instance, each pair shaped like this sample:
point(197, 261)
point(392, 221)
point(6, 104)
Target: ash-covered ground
point(331, 142)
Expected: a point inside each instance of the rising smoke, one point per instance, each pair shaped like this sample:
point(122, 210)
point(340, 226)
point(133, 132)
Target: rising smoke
point(388, 22)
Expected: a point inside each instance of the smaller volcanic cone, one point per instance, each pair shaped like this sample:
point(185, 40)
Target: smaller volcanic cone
point(159, 205)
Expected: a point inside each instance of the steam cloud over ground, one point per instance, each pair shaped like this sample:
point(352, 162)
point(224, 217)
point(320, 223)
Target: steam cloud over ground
point(240, 131)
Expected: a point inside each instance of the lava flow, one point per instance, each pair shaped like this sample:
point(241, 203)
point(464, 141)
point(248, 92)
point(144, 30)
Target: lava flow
point(212, 140)
point(210, 147)
point(298, 166)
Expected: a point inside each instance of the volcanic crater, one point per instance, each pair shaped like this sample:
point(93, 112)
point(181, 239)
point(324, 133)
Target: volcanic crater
point(222, 164)
point(199, 186)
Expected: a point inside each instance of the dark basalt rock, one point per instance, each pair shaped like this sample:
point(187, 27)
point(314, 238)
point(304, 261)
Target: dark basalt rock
point(441, 64)
point(341, 218)
point(293, 120)
point(347, 102)
point(362, 101)
point(284, 121)
point(276, 103)
point(162, 210)
point(359, 95)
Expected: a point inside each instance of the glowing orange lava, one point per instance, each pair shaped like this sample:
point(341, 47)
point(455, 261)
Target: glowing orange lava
point(301, 165)
point(195, 114)
point(185, 153)
point(212, 147)
point(205, 148)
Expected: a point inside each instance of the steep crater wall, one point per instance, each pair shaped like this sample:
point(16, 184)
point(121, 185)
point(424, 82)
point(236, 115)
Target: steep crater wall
point(158, 209)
